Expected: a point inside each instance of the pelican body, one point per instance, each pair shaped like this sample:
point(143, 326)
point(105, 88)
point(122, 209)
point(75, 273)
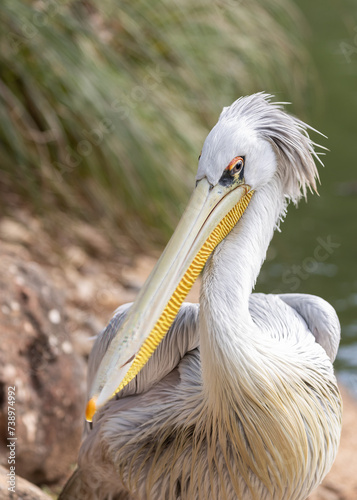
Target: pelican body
point(234, 397)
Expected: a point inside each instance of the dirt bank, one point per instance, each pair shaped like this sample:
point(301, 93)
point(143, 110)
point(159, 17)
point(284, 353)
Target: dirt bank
point(91, 279)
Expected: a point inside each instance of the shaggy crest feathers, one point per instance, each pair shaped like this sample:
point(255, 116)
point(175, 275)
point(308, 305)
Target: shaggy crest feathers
point(288, 135)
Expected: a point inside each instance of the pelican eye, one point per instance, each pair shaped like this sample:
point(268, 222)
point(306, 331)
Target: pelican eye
point(233, 172)
point(236, 166)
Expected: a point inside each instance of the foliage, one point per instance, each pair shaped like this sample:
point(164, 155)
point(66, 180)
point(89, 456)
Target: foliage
point(105, 105)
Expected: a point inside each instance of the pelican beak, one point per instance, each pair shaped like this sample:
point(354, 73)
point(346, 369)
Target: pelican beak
point(210, 215)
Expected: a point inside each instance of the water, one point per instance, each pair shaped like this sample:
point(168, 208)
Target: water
point(316, 250)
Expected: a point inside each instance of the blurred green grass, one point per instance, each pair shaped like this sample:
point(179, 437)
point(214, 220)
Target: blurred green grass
point(105, 105)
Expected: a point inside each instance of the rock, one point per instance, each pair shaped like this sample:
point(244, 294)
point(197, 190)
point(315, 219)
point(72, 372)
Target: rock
point(13, 231)
point(23, 489)
point(37, 358)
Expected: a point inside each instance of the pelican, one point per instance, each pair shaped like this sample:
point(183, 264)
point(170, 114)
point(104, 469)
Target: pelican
point(234, 397)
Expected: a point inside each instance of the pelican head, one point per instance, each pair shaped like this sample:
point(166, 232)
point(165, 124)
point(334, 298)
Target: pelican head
point(254, 144)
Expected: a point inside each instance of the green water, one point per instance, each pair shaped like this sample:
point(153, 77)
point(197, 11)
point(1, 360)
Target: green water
point(316, 251)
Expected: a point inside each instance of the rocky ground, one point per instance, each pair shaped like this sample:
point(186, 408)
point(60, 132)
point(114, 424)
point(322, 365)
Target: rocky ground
point(55, 295)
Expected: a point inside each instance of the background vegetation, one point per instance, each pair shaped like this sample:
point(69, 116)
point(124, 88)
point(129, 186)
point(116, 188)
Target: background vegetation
point(105, 105)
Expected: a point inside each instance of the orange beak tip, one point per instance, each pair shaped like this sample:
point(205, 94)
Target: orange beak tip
point(91, 409)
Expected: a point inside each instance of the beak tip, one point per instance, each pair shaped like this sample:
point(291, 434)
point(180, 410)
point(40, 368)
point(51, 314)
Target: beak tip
point(91, 408)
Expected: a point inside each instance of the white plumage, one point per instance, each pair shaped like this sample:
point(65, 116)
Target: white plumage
point(239, 401)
